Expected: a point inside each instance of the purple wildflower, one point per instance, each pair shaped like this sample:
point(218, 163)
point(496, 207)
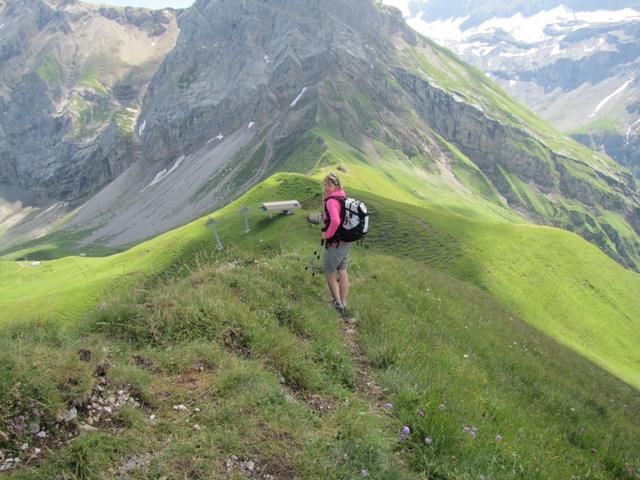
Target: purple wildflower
point(498, 438)
point(441, 407)
point(388, 406)
point(482, 477)
point(404, 433)
point(420, 413)
point(428, 440)
point(593, 450)
point(472, 431)
point(363, 472)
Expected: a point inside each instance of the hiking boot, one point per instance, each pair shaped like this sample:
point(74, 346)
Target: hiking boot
point(339, 307)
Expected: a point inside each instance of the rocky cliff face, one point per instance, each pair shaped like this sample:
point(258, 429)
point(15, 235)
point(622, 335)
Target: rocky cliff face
point(71, 79)
point(241, 62)
point(626, 150)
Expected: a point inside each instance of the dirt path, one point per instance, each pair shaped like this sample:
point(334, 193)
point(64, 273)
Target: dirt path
point(366, 385)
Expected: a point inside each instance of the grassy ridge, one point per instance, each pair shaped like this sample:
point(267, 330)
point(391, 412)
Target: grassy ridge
point(246, 336)
point(67, 287)
point(585, 304)
point(251, 342)
point(553, 279)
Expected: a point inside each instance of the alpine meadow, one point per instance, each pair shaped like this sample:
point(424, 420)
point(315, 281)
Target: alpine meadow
point(157, 323)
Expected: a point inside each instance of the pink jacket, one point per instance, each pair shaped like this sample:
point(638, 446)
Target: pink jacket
point(333, 208)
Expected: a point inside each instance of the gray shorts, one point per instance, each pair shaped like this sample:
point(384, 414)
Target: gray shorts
point(336, 258)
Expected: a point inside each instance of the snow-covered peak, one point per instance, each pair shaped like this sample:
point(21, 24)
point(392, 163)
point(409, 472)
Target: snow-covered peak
point(527, 29)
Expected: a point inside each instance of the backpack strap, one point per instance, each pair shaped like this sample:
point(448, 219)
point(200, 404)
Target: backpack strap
point(336, 238)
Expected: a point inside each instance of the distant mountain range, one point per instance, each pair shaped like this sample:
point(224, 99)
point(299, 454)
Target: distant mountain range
point(576, 63)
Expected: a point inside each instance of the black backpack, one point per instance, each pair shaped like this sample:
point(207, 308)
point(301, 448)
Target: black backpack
point(354, 219)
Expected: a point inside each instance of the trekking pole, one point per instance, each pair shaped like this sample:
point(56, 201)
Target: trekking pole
point(316, 256)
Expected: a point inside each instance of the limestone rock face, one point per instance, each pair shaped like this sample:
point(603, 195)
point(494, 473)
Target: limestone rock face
point(71, 80)
point(238, 62)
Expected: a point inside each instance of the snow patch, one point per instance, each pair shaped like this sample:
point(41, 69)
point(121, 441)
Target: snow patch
point(525, 29)
point(557, 50)
point(512, 83)
point(52, 207)
point(266, 59)
point(219, 137)
point(162, 174)
point(159, 176)
point(630, 128)
point(251, 124)
point(486, 50)
point(153, 44)
point(526, 53)
point(402, 5)
point(477, 49)
point(142, 127)
point(295, 102)
point(608, 16)
point(442, 31)
point(603, 102)
point(176, 165)
point(591, 49)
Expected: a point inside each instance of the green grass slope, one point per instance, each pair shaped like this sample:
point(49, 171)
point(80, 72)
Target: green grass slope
point(554, 280)
point(268, 374)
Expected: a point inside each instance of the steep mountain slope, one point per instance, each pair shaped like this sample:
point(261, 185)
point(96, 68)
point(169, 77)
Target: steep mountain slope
point(249, 90)
point(72, 77)
point(574, 63)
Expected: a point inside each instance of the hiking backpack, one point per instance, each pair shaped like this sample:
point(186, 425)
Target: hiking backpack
point(354, 220)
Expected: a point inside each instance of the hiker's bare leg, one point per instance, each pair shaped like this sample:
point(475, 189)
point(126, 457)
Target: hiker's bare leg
point(332, 281)
point(344, 286)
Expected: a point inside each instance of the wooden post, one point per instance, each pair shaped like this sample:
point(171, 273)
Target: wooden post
point(245, 212)
point(212, 223)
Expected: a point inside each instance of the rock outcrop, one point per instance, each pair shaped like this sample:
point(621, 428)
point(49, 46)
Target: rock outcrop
point(71, 79)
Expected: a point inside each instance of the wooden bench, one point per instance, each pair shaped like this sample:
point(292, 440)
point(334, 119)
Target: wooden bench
point(284, 207)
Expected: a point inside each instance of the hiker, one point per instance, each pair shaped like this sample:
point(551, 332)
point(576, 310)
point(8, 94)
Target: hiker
point(336, 255)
